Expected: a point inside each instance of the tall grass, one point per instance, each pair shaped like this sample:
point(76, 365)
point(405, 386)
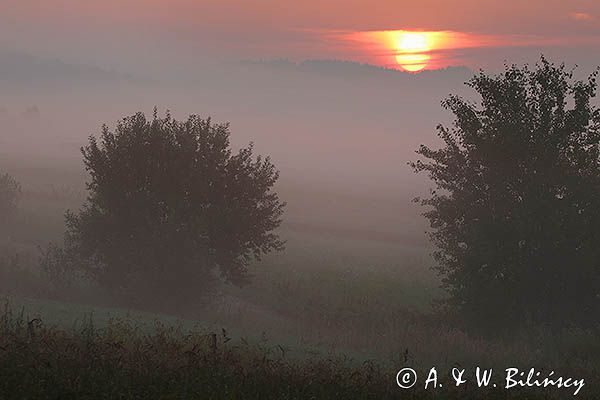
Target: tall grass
point(120, 361)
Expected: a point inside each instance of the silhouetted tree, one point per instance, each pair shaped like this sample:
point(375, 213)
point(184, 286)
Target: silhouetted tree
point(169, 202)
point(10, 194)
point(516, 212)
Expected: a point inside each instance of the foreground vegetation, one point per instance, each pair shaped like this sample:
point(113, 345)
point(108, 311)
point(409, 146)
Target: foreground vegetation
point(123, 361)
point(120, 361)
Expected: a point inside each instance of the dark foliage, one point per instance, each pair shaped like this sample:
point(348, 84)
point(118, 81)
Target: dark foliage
point(517, 208)
point(170, 203)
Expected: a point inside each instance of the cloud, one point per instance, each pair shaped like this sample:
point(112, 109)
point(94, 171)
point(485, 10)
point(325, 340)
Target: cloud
point(580, 16)
point(446, 48)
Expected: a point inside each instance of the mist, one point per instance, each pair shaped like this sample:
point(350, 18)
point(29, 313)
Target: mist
point(330, 264)
point(341, 133)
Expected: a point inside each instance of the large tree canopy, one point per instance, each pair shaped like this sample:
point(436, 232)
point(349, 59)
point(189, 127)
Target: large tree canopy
point(516, 212)
point(169, 202)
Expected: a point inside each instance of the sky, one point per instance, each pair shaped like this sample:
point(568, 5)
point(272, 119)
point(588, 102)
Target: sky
point(341, 133)
point(158, 35)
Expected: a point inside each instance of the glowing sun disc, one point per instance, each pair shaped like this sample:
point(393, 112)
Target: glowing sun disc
point(413, 62)
point(412, 48)
point(413, 42)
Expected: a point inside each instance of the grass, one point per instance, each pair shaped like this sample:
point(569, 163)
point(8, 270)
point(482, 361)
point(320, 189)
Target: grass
point(122, 361)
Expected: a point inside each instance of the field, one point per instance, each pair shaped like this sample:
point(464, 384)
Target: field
point(122, 361)
point(336, 300)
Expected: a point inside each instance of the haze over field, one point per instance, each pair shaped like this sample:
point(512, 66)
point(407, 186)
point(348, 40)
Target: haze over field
point(67, 67)
point(337, 130)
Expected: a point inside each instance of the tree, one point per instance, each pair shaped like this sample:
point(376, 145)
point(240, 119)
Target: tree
point(169, 203)
point(10, 194)
point(516, 209)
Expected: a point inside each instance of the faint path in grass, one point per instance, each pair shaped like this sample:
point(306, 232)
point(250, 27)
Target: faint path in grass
point(68, 315)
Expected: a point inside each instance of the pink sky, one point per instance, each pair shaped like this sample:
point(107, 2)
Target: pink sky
point(264, 29)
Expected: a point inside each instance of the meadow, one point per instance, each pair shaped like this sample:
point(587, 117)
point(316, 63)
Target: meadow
point(339, 309)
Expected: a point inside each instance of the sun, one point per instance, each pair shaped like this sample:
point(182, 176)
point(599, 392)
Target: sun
point(412, 49)
point(413, 42)
point(413, 62)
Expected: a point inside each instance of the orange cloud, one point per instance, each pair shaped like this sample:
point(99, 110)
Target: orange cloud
point(413, 50)
point(418, 50)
